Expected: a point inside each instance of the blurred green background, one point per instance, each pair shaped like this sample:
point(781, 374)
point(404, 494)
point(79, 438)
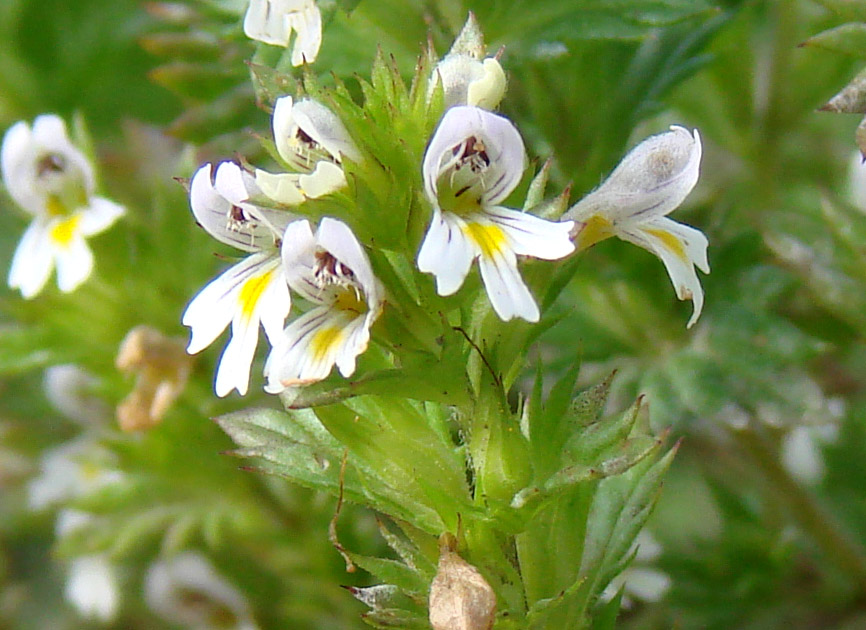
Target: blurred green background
point(754, 533)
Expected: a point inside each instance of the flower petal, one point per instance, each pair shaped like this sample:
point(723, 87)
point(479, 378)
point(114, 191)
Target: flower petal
point(325, 179)
point(533, 236)
point(275, 304)
point(308, 350)
point(446, 252)
point(99, 216)
point(92, 587)
point(237, 358)
point(239, 187)
point(214, 307)
point(74, 261)
point(680, 248)
point(653, 179)
point(223, 220)
point(507, 292)
point(17, 152)
point(299, 256)
point(502, 144)
point(33, 260)
point(308, 26)
point(325, 128)
point(265, 22)
point(281, 187)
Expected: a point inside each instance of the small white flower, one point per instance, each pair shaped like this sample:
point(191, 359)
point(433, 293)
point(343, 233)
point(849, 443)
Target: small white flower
point(632, 204)
point(273, 21)
point(330, 269)
point(91, 580)
point(53, 181)
point(186, 590)
point(474, 160)
point(92, 587)
point(467, 77)
point(70, 471)
point(251, 292)
point(313, 141)
point(802, 453)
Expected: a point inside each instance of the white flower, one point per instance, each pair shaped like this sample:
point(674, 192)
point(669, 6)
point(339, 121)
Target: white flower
point(474, 160)
point(802, 451)
point(186, 590)
point(632, 204)
point(467, 77)
point(331, 270)
point(53, 181)
point(252, 291)
point(91, 580)
point(70, 471)
point(273, 21)
point(92, 588)
point(313, 141)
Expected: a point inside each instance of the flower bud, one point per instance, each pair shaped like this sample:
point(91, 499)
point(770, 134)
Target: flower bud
point(460, 597)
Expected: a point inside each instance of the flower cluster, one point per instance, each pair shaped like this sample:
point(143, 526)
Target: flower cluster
point(472, 164)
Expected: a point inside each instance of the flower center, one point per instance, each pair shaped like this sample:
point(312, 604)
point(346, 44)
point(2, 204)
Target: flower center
point(307, 151)
point(329, 271)
point(346, 292)
point(461, 182)
point(62, 184)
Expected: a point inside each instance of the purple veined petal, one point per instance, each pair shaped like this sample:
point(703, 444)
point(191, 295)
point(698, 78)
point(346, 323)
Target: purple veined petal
point(502, 144)
point(533, 236)
point(308, 350)
point(446, 252)
point(226, 222)
point(508, 294)
point(239, 187)
point(210, 312)
point(298, 253)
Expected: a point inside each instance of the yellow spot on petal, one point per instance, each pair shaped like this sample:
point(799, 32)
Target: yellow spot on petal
point(594, 230)
point(671, 242)
point(324, 341)
point(490, 238)
point(65, 230)
point(252, 291)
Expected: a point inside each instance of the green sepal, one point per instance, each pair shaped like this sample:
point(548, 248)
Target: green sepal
point(848, 39)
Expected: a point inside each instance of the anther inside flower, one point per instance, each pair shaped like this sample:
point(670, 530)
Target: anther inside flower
point(331, 270)
point(473, 162)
